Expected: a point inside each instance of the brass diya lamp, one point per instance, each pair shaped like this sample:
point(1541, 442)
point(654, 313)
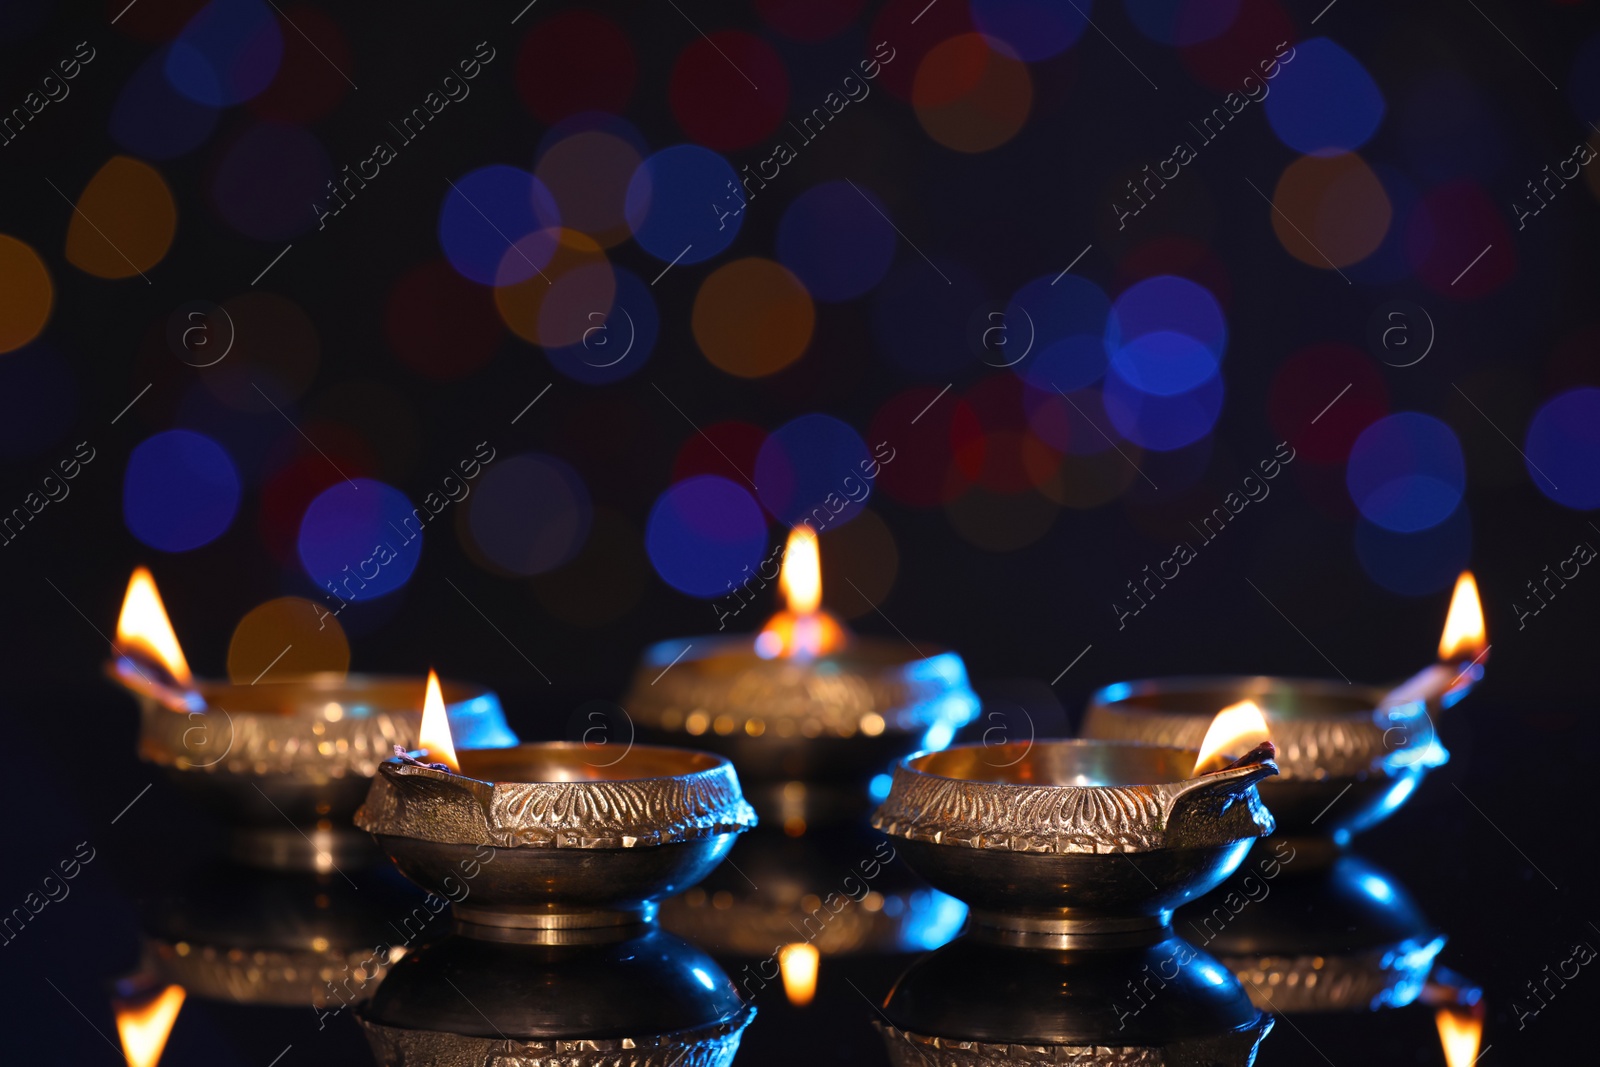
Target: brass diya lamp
point(1341, 938)
point(1080, 839)
point(1349, 755)
point(533, 841)
point(285, 763)
point(811, 714)
point(807, 711)
point(980, 1001)
point(603, 997)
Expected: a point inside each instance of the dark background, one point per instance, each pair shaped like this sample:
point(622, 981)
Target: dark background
point(1522, 745)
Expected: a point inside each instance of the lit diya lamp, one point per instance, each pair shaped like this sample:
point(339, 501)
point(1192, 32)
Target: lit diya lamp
point(808, 711)
point(532, 842)
point(1349, 754)
point(811, 714)
point(1082, 839)
point(285, 762)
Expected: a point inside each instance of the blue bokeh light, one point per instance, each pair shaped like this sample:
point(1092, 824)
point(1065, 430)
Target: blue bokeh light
point(1388, 263)
point(362, 538)
point(1164, 363)
point(671, 201)
point(1324, 102)
point(1033, 29)
point(489, 211)
point(180, 491)
point(1161, 423)
point(153, 120)
point(1068, 318)
point(1416, 564)
point(702, 533)
point(227, 53)
point(1563, 449)
point(813, 467)
point(1167, 304)
point(836, 241)
point(1406, 472)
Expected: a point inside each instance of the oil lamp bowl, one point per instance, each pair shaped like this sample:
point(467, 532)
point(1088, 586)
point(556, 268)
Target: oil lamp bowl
point(1346, 761)
point(572, 843)
point(1072, 838)
point(288, 763)
point(832, 722)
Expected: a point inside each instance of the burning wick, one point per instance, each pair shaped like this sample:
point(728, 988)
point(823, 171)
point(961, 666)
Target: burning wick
point(149, 659)
point(435, 735)
point(144, 1028)
point(1462, 649)
point(798, 964)
point(1238, 726)
point(803, 630)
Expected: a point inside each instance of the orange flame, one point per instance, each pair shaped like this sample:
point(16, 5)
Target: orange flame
point(1460, 1032)
point(1236, 730)
point(803, 629)
point(435, 735)
point(144, 629)
point(1464, 634)
point(144, 1029)
point(798, 962)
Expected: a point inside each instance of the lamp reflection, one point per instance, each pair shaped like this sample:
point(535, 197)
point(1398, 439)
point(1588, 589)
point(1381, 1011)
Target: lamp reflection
point(1344, 937)
point(585, 998)
point(1000, 997)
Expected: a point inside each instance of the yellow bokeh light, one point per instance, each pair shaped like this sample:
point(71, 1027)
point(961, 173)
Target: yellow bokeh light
point(284, 638)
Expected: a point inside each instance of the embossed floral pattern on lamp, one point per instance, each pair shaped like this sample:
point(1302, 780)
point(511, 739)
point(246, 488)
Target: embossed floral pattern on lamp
point(287, 762)
point(1350, 754)
point(1075, 839)
point(577, 845)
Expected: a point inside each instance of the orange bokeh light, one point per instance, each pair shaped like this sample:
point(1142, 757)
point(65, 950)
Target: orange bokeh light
point(29, 294)
point(124, 222)
point(1331, 211)
point(752, 317)
point(969, 96)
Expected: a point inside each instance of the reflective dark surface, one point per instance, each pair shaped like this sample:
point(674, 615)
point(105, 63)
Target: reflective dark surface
point(1436, 879)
